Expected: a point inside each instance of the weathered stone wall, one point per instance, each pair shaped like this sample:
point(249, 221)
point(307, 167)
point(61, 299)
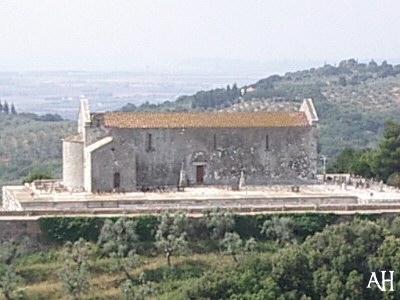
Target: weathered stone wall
point(113, 205)
point(95, 130)
point(291, 156)
point(10, 203)
point(19, 229)
point(115, 157)
point(312, 149)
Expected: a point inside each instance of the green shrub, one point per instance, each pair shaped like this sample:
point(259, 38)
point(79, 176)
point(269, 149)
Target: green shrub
point(58, 230)
point(37, 174)
point(39, 257)
point(304, 224)
point(62, 229)
point(309, 223)
point(394, 179)
point(146, 227)
point(187, 269)
point(34, 274)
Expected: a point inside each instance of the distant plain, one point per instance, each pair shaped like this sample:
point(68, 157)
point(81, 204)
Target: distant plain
point(59, 92)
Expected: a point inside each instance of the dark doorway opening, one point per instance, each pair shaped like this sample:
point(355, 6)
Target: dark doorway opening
point(117, 181)
point(199, 174)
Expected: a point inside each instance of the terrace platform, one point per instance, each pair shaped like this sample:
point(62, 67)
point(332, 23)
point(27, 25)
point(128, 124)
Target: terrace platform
point(48, 197)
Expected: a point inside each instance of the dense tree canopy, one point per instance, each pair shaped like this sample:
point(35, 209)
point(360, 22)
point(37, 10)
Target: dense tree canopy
point(380, 163)
point(386, 159)
point(334, 264)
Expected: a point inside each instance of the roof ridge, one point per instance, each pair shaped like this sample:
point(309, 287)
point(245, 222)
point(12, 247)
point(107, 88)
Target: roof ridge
point(203, 112)
point(205, 120)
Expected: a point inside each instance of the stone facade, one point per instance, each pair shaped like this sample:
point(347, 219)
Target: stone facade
point(114, 152)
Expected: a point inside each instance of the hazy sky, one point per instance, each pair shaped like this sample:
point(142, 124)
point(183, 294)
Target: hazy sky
point(129, 34)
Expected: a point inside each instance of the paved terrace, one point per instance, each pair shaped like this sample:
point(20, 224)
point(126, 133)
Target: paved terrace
point(318, 197)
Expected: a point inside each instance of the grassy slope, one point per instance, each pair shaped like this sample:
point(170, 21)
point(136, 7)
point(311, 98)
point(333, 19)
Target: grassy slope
point(41, 281)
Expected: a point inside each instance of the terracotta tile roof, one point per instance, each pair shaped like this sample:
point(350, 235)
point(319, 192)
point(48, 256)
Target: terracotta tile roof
point(205, 120)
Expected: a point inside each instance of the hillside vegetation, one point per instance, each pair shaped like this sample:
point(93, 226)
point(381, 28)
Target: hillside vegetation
point(222, 256)
point(29, 142)
point(353, 100)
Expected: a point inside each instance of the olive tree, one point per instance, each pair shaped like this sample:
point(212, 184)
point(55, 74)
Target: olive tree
point(279, 228)
point(74, 272)
point(171, 234)
point(219, 222)
point(233, 245)
point(119, 241)
point(131, 291)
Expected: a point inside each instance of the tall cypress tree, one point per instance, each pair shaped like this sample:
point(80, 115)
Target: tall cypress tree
point(5, 107)
point(13, 111)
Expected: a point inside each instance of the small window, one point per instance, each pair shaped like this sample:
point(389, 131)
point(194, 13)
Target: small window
point(215, 142)
point(117, 180)
point(266, 142)
point(149, 142)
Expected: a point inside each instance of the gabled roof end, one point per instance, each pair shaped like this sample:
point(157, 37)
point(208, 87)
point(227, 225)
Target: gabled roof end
point(308, 108)
point(83, 115)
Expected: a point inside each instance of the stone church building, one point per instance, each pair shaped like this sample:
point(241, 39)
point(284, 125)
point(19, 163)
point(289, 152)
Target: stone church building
point(116, 151)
